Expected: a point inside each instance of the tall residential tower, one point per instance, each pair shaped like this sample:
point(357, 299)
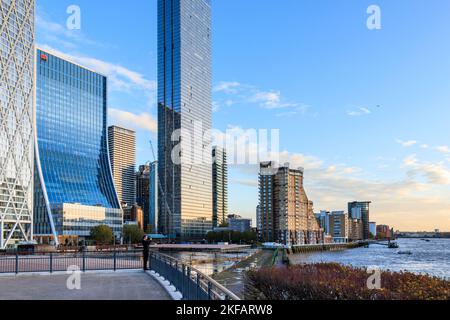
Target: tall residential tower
point(286, 213)
point(184, 116)
point(220, 186)
point(122, 153)
point(16, 120)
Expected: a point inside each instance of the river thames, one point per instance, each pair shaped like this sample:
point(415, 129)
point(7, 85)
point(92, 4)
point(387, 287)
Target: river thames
point(414, 255)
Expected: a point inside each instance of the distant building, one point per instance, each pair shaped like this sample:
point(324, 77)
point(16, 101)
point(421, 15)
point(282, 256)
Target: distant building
point(154, 195)
point(219, 186)
point(361, 211)
point(286, 212)
point(339, 228)
point(383, 232)
point(143, 193)
point(122, 151)
point(240, 224)
point(134, 216)
point(355, 228)
point(373, 229)
point(324, 221)
point(335, 225)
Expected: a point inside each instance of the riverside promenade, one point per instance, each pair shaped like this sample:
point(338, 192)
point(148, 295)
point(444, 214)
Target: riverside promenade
point(120, 285)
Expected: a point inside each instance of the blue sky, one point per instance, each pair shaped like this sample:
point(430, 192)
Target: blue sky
point(364, 111)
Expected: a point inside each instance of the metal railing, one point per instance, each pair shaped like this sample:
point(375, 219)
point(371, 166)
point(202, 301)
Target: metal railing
point(190, 282)
point(60, 262)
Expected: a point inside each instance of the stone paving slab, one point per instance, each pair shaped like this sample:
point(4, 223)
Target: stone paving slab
point(94, 286)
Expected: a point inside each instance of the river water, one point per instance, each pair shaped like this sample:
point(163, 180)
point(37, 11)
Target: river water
point(431, 257)
point(211, 263)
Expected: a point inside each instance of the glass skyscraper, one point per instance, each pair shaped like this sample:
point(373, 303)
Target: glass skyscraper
point(185, 104)
point(16, 120)
point(361, 211)
point(74, 189)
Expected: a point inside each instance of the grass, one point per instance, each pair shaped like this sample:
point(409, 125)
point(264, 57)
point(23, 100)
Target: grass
point(331, 281)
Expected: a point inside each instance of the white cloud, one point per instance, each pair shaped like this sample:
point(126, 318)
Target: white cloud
point(359, 111)
point(249, 94)
point(227, 87)
point(443, 149)
point(407, 144)
point(434, 173)
point(56, 32)
point(119, 77)
point(300, 110)
point(143, 121)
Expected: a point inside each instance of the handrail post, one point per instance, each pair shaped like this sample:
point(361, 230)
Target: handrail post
point(51, 262)
point(17, 263)
point(115, 261)
point(209, 290)
point(198, 286)
point(188, 277)
point(84, 261)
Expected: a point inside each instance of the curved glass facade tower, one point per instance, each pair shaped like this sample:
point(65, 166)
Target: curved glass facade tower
point(16, 121)
point(74, 187)
point(184, 105)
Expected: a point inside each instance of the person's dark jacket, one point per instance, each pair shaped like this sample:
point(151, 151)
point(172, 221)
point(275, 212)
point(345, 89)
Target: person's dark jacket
point(146, 245)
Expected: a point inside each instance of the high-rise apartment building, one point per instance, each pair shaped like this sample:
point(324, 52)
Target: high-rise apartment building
point(361, 211)
point(286, 212)
point(147, 195)
point(122, 153)
point(143, 192)
point(220, 186)
point(74, 189)
point(154, 194)
point(17, 84)
point(184, 115)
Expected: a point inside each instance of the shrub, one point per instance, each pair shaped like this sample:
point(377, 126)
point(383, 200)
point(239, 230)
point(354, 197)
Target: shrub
point(330, 281)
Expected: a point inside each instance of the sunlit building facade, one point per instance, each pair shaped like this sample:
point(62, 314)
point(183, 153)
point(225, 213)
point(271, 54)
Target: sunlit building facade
point(16, 121)
point(74, 189)
point(287, 214)
point(122, 154)
point(184, 113)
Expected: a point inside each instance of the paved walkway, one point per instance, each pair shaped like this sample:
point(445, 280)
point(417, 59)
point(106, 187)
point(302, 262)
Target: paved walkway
point(94, 286)
point(234, 278)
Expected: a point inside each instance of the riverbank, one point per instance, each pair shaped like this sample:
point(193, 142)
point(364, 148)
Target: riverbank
point(234, 278)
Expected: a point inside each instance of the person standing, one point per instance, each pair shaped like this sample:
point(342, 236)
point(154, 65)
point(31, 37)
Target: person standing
point(146, 245)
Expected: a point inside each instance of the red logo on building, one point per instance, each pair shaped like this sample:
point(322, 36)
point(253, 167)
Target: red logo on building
point(44, 57)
